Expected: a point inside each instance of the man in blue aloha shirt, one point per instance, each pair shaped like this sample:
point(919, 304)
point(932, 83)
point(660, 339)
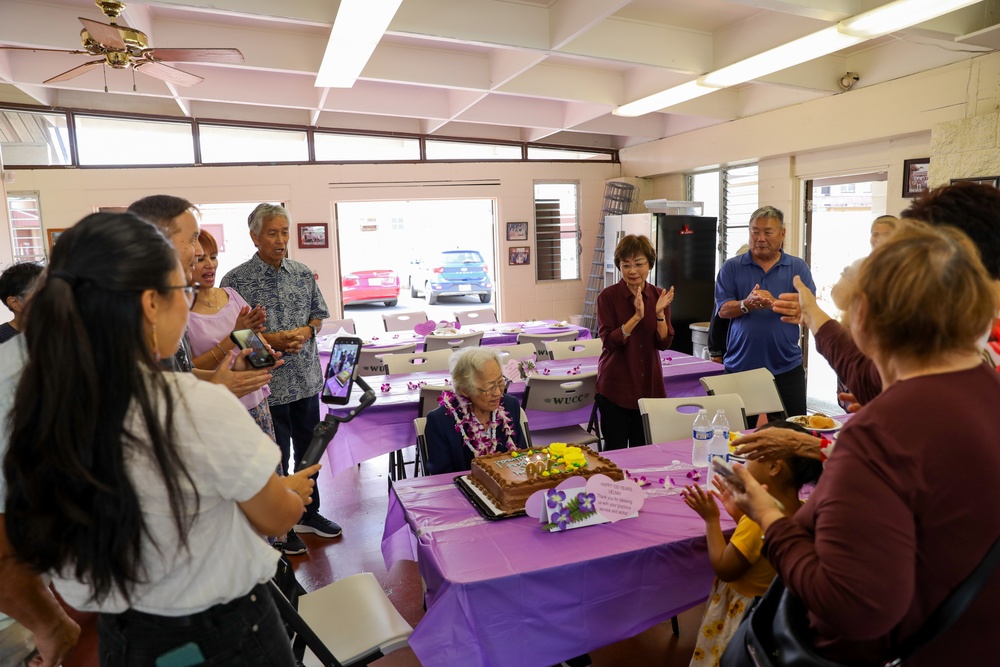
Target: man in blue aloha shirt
point(295, 311)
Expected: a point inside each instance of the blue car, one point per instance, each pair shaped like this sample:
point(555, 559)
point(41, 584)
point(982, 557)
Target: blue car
point(452, 273)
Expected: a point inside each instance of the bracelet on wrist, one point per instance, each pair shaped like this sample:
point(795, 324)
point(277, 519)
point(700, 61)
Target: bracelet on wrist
point(625, 333)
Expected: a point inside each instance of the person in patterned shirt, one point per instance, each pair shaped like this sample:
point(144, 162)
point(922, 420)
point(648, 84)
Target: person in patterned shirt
point(295, 310)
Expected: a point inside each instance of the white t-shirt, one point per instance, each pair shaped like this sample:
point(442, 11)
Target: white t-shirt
point(11, 363)
point(230, 460)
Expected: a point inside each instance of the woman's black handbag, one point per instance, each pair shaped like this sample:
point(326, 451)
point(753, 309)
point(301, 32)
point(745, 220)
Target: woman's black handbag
point(774, 631)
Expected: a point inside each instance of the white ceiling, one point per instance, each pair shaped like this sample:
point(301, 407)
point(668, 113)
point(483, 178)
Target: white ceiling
point(548, 71)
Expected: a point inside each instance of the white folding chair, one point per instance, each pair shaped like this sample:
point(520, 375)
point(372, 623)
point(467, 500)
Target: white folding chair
point(471, 339)
point(371, 362)
point(515, 352)
point(428, 400)
point(539, 340)
point(417, 362)
point(563, 393)
point(571, 349)
point(403, 321)
point(756, 388)
point(355, 619)
point(420, 424)
point(477, 316)
point(331, 327)
point(662, 421)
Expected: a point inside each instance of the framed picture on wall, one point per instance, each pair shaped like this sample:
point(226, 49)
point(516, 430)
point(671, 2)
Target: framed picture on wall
point(520, 255)
point(53, 235)
point(313, 235)
point(915, 176)
point(517, 231)
point(985, 180)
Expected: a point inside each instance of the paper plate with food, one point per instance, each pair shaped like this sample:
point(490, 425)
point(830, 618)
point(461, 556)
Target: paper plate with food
point(510, 330)
point(817, 422)
point(559, 325)
point(445, 331)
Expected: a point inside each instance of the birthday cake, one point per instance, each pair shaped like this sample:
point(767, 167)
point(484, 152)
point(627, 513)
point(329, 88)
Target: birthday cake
point(509, 478)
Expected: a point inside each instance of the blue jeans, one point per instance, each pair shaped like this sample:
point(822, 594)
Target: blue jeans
point(244, 632)
point(293, 429)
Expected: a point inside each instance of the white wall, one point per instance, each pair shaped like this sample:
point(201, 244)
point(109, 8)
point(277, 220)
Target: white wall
point(311, 192)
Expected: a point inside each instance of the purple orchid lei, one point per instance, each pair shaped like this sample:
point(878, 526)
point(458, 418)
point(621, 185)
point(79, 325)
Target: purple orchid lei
point(477, 436)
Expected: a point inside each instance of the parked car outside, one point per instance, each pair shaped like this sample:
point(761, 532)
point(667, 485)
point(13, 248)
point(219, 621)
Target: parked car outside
point(371, 286)
point(451, 273)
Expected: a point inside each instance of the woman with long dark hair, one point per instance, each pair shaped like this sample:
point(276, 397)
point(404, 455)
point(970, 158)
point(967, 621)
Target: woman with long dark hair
point(144, 493)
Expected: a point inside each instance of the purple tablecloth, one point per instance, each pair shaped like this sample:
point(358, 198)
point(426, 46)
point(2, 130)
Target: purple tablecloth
point(388, 424)
point(507, 593)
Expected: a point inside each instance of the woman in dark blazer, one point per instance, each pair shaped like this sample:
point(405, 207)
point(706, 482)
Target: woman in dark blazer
point(476, 417)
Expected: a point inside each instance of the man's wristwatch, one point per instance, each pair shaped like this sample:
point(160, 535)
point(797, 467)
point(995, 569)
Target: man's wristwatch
point(743, 307)
point(315, 330)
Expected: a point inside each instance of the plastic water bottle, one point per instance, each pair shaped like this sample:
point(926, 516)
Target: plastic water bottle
point(701, 436)
point(720, 442)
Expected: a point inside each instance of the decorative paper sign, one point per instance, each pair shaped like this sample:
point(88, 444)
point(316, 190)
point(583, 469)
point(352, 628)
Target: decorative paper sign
point(615, 500)
point(510, 370)
point(574, 503)
point(425, 328)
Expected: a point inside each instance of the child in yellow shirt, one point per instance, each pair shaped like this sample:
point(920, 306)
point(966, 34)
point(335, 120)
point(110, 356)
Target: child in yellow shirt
point(741, 573)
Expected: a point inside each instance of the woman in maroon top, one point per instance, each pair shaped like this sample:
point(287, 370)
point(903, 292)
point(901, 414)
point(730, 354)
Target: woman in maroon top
point(633, 321)
point(906, 507)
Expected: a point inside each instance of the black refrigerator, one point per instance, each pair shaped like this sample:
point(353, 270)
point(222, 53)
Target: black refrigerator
point(686, 251)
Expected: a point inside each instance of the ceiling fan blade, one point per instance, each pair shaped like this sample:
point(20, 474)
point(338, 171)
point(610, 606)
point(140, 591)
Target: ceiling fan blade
point(107, 35)
point(168, 74)
point(32, 48)
point(75, 72)
point(230, 56)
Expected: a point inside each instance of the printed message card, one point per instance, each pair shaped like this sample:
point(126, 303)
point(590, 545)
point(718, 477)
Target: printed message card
point(576, 502)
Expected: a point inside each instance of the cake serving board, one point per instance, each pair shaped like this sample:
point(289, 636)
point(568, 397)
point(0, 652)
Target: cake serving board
point(483, 504)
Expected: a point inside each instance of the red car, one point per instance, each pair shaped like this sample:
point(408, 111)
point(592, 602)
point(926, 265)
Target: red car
point(371, 287)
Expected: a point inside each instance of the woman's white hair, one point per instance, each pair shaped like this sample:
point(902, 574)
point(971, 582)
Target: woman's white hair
point(467, 365)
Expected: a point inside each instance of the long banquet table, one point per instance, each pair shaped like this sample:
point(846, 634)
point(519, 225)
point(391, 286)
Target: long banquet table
point(507, 593)
point(504, 333)
point(387, 425)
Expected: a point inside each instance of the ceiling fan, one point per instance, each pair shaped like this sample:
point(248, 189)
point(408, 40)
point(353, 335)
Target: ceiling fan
point(122, 47)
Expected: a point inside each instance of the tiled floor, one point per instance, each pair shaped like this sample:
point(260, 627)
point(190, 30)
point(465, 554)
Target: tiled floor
point(357, 500)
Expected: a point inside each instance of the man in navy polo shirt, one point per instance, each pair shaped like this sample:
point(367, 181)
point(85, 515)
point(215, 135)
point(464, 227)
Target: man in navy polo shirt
point(744, 294)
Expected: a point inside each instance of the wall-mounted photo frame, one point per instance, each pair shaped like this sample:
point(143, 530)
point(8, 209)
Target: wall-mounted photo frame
point(520, 255)
point(53, 235)
point(517, 231)
point(915, 176)
point(313, 235)
point(985, 180)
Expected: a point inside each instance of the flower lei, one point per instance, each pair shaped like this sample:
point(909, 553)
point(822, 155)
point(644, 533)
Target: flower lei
point(477, 437)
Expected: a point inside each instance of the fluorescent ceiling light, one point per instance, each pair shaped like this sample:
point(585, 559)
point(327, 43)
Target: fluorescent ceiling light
point(667, 98)
point(356, 32)
point(898, 15)
point(796, 52)
point(874, 23)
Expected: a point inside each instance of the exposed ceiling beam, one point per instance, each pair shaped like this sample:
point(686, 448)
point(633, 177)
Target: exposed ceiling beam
point(825, 10)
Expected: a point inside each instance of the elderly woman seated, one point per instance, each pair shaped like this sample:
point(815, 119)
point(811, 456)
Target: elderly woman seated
point(474, 419)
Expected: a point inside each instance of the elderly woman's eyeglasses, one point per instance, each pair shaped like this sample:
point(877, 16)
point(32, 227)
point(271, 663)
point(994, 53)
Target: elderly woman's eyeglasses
point(190, 291)
point(495, 388)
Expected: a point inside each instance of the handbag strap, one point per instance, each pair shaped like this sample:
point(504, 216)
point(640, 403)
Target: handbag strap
point(952, 607)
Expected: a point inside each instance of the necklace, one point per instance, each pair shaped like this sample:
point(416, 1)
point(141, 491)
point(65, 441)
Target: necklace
point(213, 303)
point(481, 439)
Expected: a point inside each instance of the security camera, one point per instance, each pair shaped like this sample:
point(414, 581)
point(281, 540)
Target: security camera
point(848, 80)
